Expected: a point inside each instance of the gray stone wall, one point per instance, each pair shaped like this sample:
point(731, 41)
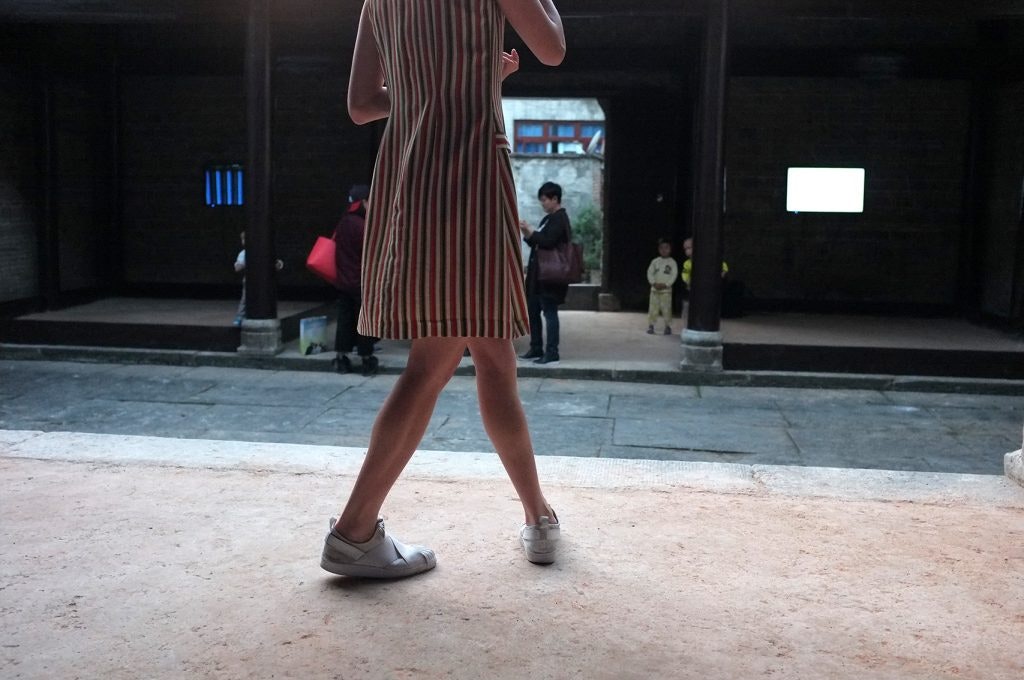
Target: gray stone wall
point(581, 179)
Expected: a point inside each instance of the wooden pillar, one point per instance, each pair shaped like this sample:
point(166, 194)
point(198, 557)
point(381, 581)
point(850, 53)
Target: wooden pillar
point(261, 330)
point(702, 341)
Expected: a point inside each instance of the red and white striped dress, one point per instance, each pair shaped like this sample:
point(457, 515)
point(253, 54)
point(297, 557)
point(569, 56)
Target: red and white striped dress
point(441, 255)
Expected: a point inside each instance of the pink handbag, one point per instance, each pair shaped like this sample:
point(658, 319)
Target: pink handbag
point(321, 260)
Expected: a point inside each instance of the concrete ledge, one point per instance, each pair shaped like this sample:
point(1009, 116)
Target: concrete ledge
point(618, 371)
point(596, 473)
point(1014, 465)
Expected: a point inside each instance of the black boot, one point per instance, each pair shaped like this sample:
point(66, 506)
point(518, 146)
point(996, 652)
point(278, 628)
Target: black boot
point(342, 364)
point(370, 364)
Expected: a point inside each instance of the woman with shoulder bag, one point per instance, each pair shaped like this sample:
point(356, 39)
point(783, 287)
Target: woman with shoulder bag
point(544, 298)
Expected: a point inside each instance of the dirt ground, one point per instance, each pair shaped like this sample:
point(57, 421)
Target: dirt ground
point(141, 571)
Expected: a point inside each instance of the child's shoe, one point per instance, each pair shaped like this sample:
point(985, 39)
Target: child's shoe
point(650, 329)
point(668, 330)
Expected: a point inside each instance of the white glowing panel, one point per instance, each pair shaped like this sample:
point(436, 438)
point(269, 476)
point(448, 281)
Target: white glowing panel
point(839, 190)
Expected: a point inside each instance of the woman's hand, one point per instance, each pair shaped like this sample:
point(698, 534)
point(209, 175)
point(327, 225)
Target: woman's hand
point(509, 63)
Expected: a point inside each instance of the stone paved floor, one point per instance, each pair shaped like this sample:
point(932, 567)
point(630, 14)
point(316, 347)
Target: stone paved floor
point(884, 429)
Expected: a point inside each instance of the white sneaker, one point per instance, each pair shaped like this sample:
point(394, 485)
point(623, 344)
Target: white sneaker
point(380, 557)
point(540, 541)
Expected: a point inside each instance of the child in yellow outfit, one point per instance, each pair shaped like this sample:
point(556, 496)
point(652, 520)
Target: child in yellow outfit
point(688, 262)
point(661, 274)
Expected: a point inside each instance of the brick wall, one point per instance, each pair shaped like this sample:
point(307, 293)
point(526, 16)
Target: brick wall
point(82, 137)
point(1001, 238)
point(911, 138)
point(175, 126)
point(172, 127)
point(19, 266)
point(910, 135)
point(318, 155)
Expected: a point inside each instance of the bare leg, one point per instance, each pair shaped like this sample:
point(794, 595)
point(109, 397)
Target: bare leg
point(505, 421)
point(398, 430)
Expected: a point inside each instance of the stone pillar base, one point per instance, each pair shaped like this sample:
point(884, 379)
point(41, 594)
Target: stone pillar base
point(608, 302)
point(702, 351)
point(261, 337)
point(1013, 463)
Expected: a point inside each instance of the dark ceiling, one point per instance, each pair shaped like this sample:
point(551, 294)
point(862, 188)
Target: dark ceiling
point(807, 23)
point(612, 44)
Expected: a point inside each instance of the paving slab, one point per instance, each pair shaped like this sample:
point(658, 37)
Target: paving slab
point(130, 557)
point(265, 395)
point(958, 400)
point(692, 433)
point(792, 396)
point(896, 449)
point(971, 420)
point(877, 416)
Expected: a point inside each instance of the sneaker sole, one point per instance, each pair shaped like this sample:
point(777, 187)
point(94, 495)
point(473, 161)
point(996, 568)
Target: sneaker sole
point(366, 571)
point(541, 552)
point(358, 571)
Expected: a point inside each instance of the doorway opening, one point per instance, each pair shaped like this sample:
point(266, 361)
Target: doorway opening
point(562, 141)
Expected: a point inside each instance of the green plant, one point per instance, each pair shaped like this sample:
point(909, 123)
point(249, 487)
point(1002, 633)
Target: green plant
point(588, 229)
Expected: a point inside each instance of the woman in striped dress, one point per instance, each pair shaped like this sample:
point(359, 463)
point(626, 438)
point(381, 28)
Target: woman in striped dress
point(441, 257)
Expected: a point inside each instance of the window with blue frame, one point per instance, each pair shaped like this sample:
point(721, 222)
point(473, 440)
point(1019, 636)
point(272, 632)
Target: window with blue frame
point(530, 129)
point(557, 137)
point(533, 147)
point(225, 185)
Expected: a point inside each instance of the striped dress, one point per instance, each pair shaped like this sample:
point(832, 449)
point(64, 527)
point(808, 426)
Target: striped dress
point(441, 254)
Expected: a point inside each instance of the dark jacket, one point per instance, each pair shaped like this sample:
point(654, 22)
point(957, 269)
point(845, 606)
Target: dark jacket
point(551, 231)
point(348, 249)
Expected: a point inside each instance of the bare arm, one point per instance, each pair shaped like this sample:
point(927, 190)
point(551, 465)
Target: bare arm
point(537, 22)
point(368, 99)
